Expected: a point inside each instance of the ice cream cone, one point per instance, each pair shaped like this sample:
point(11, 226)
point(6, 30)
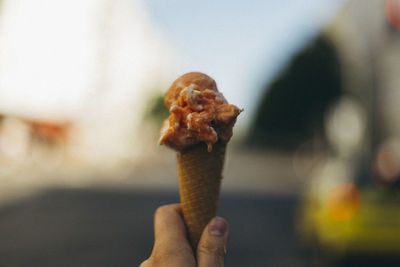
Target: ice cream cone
point(199, 126)
point(200, 175)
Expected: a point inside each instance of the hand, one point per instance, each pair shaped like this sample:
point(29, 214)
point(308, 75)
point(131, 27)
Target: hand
point(172, 248)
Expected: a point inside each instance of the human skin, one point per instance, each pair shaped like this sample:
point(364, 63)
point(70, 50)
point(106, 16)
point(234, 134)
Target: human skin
point(172, 248)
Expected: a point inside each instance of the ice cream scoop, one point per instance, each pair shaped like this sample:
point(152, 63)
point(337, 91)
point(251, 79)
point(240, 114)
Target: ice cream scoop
point(198, 113)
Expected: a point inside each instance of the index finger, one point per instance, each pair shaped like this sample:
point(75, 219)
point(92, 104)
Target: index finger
point(168, 223)
point(171, 243)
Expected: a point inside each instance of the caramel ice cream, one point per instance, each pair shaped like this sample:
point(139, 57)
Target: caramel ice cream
point(198, 113)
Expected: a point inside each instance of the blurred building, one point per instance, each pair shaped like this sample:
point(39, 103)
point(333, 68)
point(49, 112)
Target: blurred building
point(292, 109)
point(365, 45)
point(91, 64)
point(368, 46)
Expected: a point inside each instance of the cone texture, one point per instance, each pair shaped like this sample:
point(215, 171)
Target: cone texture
point(200, 175)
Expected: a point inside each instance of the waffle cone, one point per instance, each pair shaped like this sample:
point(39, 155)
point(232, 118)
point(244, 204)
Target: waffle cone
point(200, 175)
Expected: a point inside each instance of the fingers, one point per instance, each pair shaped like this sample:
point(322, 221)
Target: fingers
point(168, 223)
point(211, 250)
point(171, 247)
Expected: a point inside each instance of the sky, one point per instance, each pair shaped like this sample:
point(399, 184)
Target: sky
point(241, 44)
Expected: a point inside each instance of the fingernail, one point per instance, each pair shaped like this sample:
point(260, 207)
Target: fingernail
point(217, 227)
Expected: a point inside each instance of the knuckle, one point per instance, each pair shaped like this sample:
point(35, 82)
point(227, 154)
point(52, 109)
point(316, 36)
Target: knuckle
point(214, 249)
point(163, 255)
point(160, 257)
point(157, 258)
point(164, 251)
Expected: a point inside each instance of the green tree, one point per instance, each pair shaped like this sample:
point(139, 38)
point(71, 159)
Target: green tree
point(293, 105)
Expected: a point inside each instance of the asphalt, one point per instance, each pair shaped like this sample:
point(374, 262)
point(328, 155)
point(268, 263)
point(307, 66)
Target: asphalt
point(104, 227)
point(65, 227)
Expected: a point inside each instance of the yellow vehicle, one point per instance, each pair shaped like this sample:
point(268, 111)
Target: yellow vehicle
point(372, 228)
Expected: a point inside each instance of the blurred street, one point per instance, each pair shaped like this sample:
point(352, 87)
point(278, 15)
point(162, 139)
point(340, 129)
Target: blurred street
point(61, 227)
point(112, 228)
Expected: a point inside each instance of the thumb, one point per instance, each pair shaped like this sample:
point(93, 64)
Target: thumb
point(211, 250)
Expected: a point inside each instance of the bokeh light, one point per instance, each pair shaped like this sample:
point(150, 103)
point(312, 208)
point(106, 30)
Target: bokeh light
point(344, 202)
point(392, 12)
point(387, 166)
point(385, 169)
point(345, 125)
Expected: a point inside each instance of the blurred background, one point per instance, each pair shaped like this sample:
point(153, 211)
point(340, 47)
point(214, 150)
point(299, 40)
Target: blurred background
point(311, 174)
